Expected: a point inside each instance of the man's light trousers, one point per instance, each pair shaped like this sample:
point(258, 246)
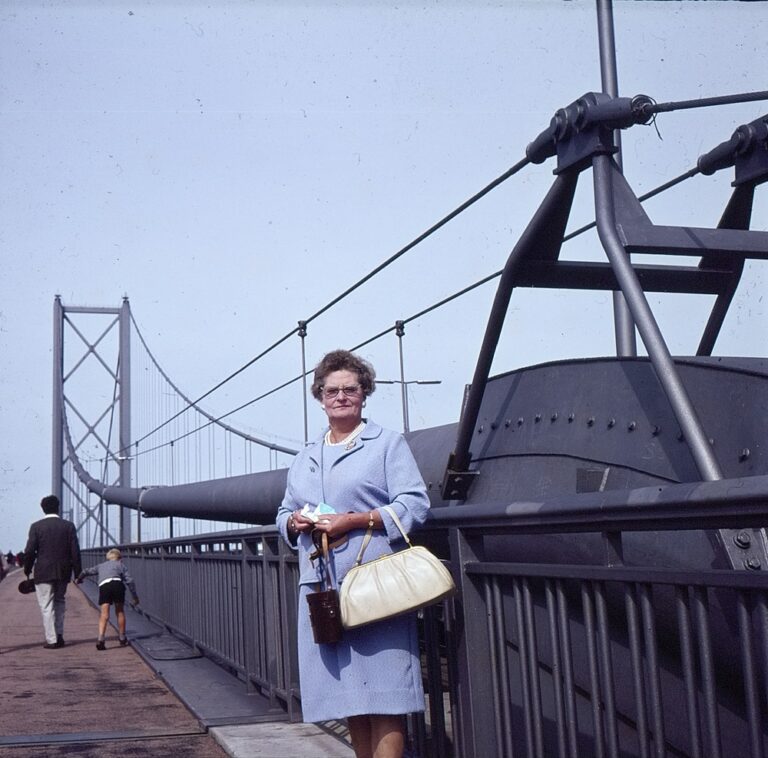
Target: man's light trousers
point(50, 598)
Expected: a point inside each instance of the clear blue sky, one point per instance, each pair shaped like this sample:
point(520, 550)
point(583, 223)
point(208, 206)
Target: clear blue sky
point(231, 166)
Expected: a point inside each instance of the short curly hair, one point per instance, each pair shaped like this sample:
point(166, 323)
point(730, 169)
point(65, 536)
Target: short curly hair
point(344, 360)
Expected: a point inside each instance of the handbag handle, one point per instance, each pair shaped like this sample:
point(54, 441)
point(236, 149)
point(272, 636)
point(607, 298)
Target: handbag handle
point(369, 533)
point(326, 562)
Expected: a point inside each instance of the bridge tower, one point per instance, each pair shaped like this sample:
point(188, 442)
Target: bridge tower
point(89, 345)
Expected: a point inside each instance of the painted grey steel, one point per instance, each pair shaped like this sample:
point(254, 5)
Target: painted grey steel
point(558, 430)
point(624, 326)
point(57, 442)
point(737, 215)
point(302, 335)
point(91, 516)
point(541, 659)
point(625, 225)
point(545, 232)
point(124, 405)
point(696, 241)
point(400, 332)
point(649, 330)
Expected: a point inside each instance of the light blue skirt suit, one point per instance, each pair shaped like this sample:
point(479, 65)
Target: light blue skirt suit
point(374, 669)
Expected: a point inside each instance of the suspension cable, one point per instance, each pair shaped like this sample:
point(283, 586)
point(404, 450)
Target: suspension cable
point(661, 188)
point(704, 102)
point(657, 107)
point(432, 229)
point(430, 308)
point(460, 209)
point(193, 403)
point(214, 421)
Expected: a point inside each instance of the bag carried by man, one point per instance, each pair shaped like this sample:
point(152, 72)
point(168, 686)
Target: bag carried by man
point(392, 584)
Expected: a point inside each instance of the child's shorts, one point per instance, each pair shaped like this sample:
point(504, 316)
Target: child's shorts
point(111, 592)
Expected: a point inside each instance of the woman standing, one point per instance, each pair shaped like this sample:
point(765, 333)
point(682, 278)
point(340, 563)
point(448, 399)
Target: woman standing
point(372, 676)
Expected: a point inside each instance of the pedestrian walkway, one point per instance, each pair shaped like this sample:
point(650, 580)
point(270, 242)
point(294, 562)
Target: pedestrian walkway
point(122, 701)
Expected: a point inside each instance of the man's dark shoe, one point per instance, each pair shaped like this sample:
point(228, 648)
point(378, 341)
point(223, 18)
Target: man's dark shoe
point(51, 646)
point(100, 645)
point(123, 642)
point(60, 640)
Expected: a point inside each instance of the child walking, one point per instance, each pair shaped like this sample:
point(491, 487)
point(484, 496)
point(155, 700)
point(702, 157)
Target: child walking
point(113, 577)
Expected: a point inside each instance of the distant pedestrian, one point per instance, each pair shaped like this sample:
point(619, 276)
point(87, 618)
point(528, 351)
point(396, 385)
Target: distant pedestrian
point(54, 552)
point(113, 577)
point(3, 567)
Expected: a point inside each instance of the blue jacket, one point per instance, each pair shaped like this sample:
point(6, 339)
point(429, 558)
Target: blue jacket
point(379, 470)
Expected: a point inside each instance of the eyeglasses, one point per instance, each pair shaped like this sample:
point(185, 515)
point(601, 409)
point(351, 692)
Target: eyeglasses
point(349, 391)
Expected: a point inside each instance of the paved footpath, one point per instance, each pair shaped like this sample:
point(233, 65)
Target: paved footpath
point(111, 704)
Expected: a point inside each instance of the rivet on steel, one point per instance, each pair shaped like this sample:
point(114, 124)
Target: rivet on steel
point(742, 539)
point(537, 418)
point(631, 426)
point(611, 423)
point(553, 417)
point(591, 421)
point(656, 430)
point(753, 564)
point(745, 453)
point(571, 417)
point(520, 421)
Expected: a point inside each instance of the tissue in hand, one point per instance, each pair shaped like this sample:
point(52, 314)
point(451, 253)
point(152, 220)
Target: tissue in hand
point(313, 514)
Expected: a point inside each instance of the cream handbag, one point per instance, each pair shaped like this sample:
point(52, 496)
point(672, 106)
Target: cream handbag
point(392, 584)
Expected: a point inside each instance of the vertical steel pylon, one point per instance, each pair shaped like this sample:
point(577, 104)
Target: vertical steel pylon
point(85, 424)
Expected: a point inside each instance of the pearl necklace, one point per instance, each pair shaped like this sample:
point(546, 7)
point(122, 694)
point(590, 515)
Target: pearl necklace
point(349, 440)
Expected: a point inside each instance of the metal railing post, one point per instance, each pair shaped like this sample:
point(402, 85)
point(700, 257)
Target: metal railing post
point(475, 722)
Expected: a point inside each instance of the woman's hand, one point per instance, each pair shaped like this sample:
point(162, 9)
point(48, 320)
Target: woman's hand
point(333, 524)
point(338, 524)
point(298, 524)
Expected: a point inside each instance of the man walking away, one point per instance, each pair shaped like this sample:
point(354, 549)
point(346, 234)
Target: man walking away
point(54, 552)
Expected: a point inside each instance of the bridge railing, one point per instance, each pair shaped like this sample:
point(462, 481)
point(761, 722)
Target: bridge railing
point(532, 657)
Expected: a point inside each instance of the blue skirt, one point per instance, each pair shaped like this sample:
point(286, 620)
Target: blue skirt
point(374, 669)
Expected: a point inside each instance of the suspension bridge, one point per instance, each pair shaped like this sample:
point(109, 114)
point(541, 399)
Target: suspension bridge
point(604, 517)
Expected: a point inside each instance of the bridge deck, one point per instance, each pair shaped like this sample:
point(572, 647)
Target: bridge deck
point(147, 699)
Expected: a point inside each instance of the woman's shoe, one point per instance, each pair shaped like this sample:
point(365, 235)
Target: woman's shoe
point(100, 645)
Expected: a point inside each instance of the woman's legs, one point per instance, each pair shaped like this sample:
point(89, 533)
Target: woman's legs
point(360, 732)
point(377, 736)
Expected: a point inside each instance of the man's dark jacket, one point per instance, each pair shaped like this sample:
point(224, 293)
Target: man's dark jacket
point(53, 549)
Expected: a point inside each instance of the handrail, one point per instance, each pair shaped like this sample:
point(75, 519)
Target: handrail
point(703, 505)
